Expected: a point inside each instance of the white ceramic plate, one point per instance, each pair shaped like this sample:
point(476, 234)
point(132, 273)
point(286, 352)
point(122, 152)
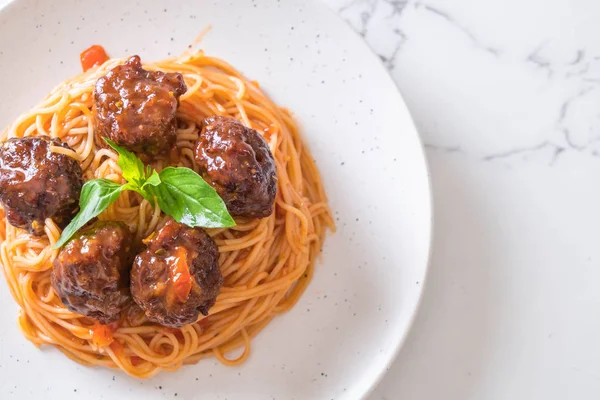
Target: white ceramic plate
point(340, 338)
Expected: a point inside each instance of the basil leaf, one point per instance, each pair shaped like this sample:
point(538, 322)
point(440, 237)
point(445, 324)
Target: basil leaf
point(153, 179)
point(133, 186)
point(185, 196)
point(96, 196)
point(131, 166)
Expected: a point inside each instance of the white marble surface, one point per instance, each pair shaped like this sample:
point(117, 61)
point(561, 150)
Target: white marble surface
point(506, 95)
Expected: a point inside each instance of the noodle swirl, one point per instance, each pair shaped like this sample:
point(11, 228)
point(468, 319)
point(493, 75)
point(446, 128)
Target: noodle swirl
point(266, 263)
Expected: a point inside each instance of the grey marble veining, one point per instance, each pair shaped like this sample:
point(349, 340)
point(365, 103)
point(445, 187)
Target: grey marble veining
point(569, 70)
point(506, 96)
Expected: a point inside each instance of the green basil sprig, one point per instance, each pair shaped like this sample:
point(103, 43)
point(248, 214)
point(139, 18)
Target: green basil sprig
point(180, 192)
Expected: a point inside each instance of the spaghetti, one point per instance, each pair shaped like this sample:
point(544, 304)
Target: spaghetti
point(266, 263)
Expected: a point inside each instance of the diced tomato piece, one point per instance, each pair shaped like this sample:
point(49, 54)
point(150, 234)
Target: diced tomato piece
point(92, 57)
point(102, 335)
point(135, 360)
point(180, 275)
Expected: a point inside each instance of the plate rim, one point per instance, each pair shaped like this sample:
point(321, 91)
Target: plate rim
point(393, 355)
point(428, 208)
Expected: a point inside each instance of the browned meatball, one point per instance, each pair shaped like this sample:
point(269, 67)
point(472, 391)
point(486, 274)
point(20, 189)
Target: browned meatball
point(91, 272)
point(37, 183)
point(237, 162)
point(136, 108)
point(177, 277)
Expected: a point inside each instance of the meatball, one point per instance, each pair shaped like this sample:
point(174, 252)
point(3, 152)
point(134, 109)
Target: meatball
point(177, 277)
point(237, 162)
point(91, 272)
point(136, 108)
point(37, 183)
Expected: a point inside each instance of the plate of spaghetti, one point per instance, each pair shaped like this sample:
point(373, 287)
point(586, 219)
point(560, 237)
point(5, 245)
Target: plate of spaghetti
point(204, 200)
